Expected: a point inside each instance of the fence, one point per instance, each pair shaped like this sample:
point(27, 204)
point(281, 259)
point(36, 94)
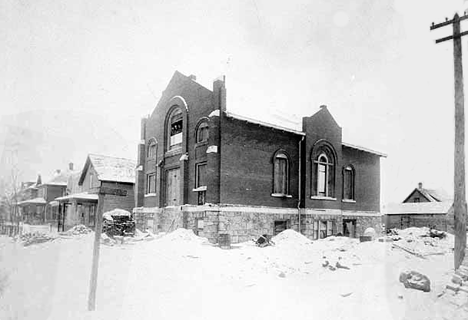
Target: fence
point(11, 229)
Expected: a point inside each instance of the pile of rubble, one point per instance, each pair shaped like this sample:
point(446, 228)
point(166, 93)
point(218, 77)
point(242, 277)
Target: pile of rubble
point(460, 279)
point(77, 230)
point(34, 238)
point(421, 242)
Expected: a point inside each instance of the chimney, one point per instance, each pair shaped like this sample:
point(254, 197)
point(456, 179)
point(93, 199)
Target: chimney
point(420, 185)
point(70, 166)
point(219, 93)
point(193, 77)
point(323, 106)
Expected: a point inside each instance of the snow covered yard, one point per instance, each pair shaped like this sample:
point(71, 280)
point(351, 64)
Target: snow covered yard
point(182, 276)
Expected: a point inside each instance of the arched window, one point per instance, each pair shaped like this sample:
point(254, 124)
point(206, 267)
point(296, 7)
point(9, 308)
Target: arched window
point(175, 129)
point(323, 172)
point(202, 132)
point(151, 152)
point(280, 174)
point(348, 183)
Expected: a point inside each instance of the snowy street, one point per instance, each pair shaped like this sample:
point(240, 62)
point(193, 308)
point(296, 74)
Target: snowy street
point(182, 276)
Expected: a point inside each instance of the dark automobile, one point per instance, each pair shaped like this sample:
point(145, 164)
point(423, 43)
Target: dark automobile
point(118, 223)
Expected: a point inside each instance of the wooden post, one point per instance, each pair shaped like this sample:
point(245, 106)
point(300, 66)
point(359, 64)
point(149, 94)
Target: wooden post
point(459, 167)
point(459, 203)
point(95, 265)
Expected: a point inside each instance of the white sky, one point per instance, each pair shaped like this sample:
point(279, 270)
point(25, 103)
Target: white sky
point(80, 74)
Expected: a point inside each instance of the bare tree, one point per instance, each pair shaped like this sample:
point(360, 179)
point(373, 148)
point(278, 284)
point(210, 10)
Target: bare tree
point(10, 191)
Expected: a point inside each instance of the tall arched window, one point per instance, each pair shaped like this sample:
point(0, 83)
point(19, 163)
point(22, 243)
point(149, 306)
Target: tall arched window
point(280, 174)
point(348, 183)
point(202, 132)
point(175, 129)
point(323, 172)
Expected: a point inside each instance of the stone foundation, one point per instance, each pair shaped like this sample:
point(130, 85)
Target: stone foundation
point(246, 223)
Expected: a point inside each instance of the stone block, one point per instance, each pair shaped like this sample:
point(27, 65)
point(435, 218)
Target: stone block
point(415, 280)
point(463, 289)
point(462, 275)
point(453, 287)
point(457, 279)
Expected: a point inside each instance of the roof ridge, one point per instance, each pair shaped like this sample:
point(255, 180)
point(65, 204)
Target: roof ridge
point(106, 156)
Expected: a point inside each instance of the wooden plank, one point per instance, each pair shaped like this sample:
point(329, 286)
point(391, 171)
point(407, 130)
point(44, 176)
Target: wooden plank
point(95, 263)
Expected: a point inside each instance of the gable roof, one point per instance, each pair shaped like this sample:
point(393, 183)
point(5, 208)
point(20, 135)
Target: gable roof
point(324, 115)
point(61, 179)
point(432, 195)
point(419, 208)
point(110, 169)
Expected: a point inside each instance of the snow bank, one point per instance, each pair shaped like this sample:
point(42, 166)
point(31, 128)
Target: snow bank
point(290, 237)
point(183, 235)
point(173, 269)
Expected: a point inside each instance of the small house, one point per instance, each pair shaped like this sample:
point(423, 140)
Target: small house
point(81, 204)
point(422, 208)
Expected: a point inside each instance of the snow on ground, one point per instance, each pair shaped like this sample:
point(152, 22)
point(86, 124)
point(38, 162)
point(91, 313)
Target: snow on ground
point(182, 276)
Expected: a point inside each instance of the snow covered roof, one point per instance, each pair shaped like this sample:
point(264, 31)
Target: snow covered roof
point(82, 196)
point(352, 146)
point(265, 124)
point(110, 168)
point(419, 208)
point(33, 201)
point(432, 195)
point(116, 213)
point(301, 133)
point(32, 187)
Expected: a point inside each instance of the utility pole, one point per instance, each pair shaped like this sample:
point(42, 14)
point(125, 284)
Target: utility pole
point(459, 204)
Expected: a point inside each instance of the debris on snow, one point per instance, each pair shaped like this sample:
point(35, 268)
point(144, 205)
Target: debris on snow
point(35, 237)
point(341, 266)
point(77, 230)
point(415, 280)
point(264, 241)
point(105, 239)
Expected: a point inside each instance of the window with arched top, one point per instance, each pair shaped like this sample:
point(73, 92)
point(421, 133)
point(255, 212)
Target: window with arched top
point(281, 174)
point(323, 172)
point(202, 132)
point(151, 151)
point(175, 128)
point(348, 183)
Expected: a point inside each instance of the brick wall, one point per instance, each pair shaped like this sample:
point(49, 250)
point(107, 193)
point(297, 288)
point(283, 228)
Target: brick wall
point(247, 152)
point(199, 102)
point(319, 127)
point(366, 182)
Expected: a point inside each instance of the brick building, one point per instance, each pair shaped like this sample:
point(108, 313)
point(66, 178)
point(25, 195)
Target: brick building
point(204, 168)
point(38, 205)
point(80, 205)
point(422, 208)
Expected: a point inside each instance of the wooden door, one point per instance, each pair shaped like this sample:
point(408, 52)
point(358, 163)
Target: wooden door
point(172, 187)
point(405, 222)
